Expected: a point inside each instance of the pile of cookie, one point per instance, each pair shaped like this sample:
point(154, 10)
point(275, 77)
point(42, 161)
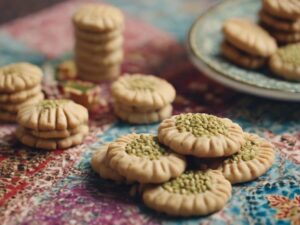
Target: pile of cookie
point(52, 124)
point(142, 99)
point(98, 42)
point(221, 154)
point(20, 85)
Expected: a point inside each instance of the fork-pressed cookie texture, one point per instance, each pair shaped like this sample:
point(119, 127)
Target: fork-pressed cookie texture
point(140, 157)
point(193, 193)
point(201, 135)
point(288, 9)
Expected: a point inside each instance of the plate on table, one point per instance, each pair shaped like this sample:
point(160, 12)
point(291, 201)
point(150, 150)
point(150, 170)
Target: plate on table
point(203, 43)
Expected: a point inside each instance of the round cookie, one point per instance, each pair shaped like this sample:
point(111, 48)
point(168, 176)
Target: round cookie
point(20, 96)
point(19, 77)
point(143, 91)
point(14, 107)
point(52, 115)
point(96, 70)
point(112, 45)
point(285, 37)
point(143, 117)
point(51, 144)
point(100, 165)
point(288, 9)
point(139, 157)
point(241, 58)
point(101, 76)
point(286, 62)
point(249, 37)
point(201, 135)
point(97, 17)
point(7, 117)
point(96, 37)
point(279, 24)
point(193, 193)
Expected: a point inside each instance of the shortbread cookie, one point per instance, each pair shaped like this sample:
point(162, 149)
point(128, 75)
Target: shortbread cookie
point(96, 17)
point(56, 134)
point(7, 116)
point(143, 117)
point(52, 115)
point(201, 135)
point(109, 46)
point(100, 165)
point(285, 37)
point(241, 58)
point(194, 193)
point(95, 70)
point(100, 76)
point(14, 107)
point(51, 144)
point(249, 37)
point(143, 91)
point(289, 9)
point(279, 24)
point(20, 96)
point(139, 157)
point(19, 77)
point(96, 37)
point(286, 62)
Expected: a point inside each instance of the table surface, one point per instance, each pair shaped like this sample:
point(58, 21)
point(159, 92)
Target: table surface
point(59, 187)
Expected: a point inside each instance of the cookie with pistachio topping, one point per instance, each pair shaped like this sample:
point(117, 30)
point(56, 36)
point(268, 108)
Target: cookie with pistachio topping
point(143, 91)
point(100, 165)
point(140, 157)
point(201, 135)
point(49, 115)
point(193, 193)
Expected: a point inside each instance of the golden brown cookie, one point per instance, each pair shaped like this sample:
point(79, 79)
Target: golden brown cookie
point(52, 115)
point(20, 96)
point(249, 37)
point(286, 37)
point(97, 17)
point(19, 77)
point(193, 193)
point(139, 157)
point(289, 9)
point(7, 117)
point(241, 58)
point(201, 135)
point(109, 46)
point(143, 91)
point(96, 37)
point(95, 70)
point(51, 144)
point(143, 117)
point(286, 62)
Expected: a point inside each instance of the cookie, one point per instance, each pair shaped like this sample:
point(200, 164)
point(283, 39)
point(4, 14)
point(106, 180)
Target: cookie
point(286, 62)
point(249, 37)
point(285, 37)
point(19, 77)
point(56, 134)
point(241, 58)
point(7, 116)
point(20, 96)
point(288, 9)
point(140, 157)
point(100, 165)
point(109, 46)
point(201, 135)
point(193, 193)
point(52, 115)
point(143, 91)
point(51, 144)
point(97, 17)
point(14, 107)
point(96, 37)
point(101, 76)
point(279, 24)
point(143, 117)
point(93, 69)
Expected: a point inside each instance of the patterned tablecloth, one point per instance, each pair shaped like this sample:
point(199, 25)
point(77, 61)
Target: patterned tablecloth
point(59, 187)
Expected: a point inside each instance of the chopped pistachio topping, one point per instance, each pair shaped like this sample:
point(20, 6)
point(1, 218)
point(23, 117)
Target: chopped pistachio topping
point(146, 146)
point(190, 182)
point(248, 152)
point(290, 54)
point(141, 83)
point(83, 87)
point(200, 124)
point(52, 103)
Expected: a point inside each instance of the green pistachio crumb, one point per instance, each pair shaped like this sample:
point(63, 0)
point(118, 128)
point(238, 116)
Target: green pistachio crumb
point(290, 54)
point(190, 182)
point(146, 146)
point(141, 83)
point(200, 124)
point(52, 103)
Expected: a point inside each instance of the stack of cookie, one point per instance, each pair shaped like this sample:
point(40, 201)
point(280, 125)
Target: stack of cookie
point(52, 124)
point(20, 85)
point(142, 99)
point(98, 42)
point(281, 19)
point(246, 44)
